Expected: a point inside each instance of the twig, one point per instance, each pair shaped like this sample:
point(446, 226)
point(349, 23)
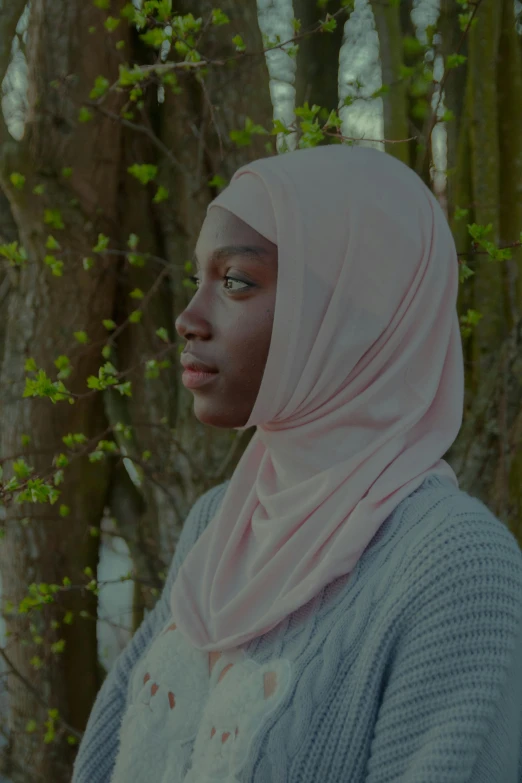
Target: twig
point(442, 83)
point(148, 132)
point(36, 694)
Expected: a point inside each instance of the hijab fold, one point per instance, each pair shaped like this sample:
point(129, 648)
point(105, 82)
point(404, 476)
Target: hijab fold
point(362, 392)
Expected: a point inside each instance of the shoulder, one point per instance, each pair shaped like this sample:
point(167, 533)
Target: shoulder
point(460, 551)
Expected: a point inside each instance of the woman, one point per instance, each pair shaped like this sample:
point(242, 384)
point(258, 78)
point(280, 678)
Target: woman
point(339, 610)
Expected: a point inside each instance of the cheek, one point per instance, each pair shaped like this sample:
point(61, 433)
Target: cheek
point(250, 341)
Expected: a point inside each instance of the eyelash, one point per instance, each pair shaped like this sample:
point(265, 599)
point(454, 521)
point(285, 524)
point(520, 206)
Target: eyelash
point(195, 280)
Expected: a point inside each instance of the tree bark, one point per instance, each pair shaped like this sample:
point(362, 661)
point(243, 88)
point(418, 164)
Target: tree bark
point(43, 312)
point(395, 103)
point(488, 285)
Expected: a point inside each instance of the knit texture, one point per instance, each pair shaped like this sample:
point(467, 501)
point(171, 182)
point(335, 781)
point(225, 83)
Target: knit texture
point(408, 670)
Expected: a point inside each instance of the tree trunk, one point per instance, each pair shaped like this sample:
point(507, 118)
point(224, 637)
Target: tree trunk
point(43, 311)
point(487, 455)
point(488, 285)
point(395, 104)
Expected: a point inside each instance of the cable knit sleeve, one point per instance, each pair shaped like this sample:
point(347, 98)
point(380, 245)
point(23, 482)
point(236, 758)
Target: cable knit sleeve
point(99, 745)
point(451, 705)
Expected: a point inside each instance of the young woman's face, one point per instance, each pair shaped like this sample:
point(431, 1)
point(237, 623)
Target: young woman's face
point(228, 322)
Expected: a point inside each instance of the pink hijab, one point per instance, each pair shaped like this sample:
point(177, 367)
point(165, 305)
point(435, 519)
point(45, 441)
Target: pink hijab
point(362, 391)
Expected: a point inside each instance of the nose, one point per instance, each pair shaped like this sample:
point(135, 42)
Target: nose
point(190, 324)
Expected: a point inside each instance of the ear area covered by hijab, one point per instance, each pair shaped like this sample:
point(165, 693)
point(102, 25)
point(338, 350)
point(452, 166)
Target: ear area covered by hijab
point(362, 392)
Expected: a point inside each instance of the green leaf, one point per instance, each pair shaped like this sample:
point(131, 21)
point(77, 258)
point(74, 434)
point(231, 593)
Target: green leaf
point(125, 389)
point(109, 324)
point(144, 172)
point(53, 218)
point(103, 4)
point(84, 115)
point(102, 244)
point(67, 172)
point(21, 469)
point(128, 12)
point(42, 386)
point(101, 85)
point(136, 260)
point(384, 90)
point(161, 195)
point(333, 120)
point(464, 272)
point(411, 46)
point(64, 366)
point(16, 256)
point(137, 294)
point(329, 25)
point(405, 71)
point(54, 264)
point(61, 461)
point(164, 10)
point(154, 37)
point(111, 23)
point(239, 43)
point(162, 334)
point(129, 78)
point(51, 243)
point(454, 60)
point(217, 181)
point(181, 47)
point(135, 316)
point(17, 179)
point(242, 138)
point(81, 337)
point(478, 232)
point(420, 109)
point(87, 263)
point(219, 17)
point(460, 213)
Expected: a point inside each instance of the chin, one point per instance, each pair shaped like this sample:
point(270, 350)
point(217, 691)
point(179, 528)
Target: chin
point(218, 419)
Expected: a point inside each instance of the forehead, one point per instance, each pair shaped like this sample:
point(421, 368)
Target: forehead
point(222, 228)
point(252, 252)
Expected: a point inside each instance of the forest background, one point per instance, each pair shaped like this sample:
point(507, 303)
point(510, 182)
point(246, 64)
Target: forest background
point(120, 122)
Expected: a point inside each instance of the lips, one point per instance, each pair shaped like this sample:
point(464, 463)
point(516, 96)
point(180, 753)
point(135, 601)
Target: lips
point(191, 362)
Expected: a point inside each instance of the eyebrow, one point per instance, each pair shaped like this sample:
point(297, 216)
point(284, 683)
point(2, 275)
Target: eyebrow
point(254, 252)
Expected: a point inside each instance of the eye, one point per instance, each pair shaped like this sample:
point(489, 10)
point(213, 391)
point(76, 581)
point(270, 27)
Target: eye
point(245, 286)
